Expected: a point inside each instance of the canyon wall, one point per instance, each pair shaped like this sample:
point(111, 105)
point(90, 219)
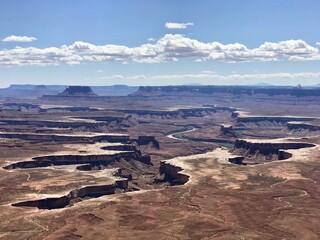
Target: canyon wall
point(87, 191)
point(268, 147)
point(66, 138)
point(301, 125)
point(173, 173)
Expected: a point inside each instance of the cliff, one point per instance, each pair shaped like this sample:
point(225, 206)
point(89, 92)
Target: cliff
point(235, 90)
point(56, 160)
point(269, 147)
point(75, 92)
point(63, 201)
point(173, 173)
point(302, 125)
point(67, 138)
point(78, 91)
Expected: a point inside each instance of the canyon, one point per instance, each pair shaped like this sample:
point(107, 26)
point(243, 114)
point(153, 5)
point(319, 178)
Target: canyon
point(184, 162)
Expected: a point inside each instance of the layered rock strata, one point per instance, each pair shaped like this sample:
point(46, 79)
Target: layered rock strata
point(87, 191)
point(269, 147)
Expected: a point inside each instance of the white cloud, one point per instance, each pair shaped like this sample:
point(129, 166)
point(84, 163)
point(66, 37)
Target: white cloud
point(171, 25)
point(113, 77)
point(14, 38)
point(208, 72)
point(212, 76)
point(318, 43)
point(171, 47)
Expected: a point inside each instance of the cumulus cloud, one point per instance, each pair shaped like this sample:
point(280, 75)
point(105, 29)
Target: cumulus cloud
point(171, 25)
point(31, 56)
point(14, 38)
point(170, 47)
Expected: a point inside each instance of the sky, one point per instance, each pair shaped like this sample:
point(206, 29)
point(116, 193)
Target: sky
point(159, 42)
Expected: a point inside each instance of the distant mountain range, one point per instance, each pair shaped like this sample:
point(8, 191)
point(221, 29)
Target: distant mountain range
point(263, 84)
point(35, 91)
point(29, 91)
point(193, 84)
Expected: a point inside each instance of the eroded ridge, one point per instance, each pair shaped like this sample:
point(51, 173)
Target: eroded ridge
point(91, 157)
point(76, 195)
point(255, 151)
point(57, 160)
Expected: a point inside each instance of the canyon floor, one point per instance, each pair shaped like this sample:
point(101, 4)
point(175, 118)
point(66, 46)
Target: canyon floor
point(160, 165)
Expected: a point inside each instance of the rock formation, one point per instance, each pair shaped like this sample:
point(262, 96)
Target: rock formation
point(302, 125)
point(88, 191)
point(56, 160)
point(270, 118)
point(78, 91)
point(237, 160)
point(67, 138)
point(269, 147)
point(173, 173)
point(145, 140)
point(234, 90)
point(227, 130)
point(182, 112)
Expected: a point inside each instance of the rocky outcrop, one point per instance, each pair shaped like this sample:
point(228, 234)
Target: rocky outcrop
point(302, 125)
point(91, 160)
point(221, 108)
point(52, 124)
point(183, 112)
point(57, 160)
point(120, 148)
point(88, 191)
point(47, 203)
point(269, 147)
point(89, 167)
point(22, 107)
point(146, 140)
point(116, 119)
point(71, 109)
point(282, 155)
point(67, 138)
point(284, 119)
point(227, 130)
point(236, 160)
point(78, 91)
point(173, 173)
point(75, 93)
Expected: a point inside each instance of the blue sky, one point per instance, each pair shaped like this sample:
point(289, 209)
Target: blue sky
point(159, 42)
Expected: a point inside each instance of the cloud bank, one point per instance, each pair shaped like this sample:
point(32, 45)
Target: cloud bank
point(171, 47)
point(14, 38)
point(208, 75)
point(171, 25)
